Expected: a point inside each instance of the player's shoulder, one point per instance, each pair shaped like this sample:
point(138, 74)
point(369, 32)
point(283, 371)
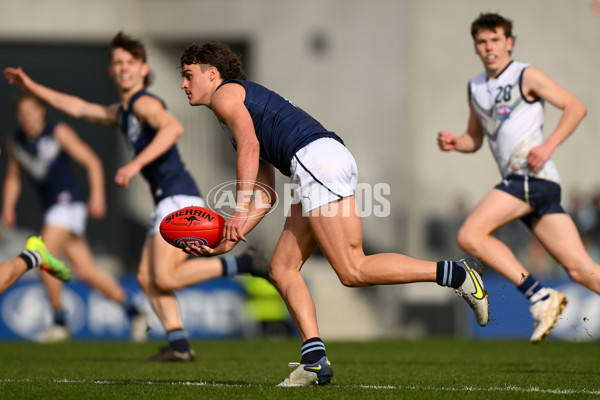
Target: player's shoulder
point(144, 102)
point(146, 97)
point(480, 77)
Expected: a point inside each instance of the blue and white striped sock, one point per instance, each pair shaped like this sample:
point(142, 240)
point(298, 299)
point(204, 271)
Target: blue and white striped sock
point(450, 273)
point(533, 290)
point(312, 351)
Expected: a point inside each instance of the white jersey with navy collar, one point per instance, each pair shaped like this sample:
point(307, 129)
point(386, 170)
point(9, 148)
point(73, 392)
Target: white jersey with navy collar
point(511, 123)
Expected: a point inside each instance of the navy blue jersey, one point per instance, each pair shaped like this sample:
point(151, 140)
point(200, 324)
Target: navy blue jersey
point(281, 127)
point(166, 175)
point(48, 165)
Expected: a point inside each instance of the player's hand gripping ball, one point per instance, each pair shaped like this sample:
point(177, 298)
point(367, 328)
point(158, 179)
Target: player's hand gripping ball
point(192, 225)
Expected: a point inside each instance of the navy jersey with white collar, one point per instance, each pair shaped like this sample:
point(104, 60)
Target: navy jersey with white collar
point(281, 127)
point(166, 175)
point(48, 165)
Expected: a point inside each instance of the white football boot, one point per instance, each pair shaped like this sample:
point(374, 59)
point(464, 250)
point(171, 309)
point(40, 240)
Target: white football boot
point(472, 291)
point(545, 314)
point(318, 373)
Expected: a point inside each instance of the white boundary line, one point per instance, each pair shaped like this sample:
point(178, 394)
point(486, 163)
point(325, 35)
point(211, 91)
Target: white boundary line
point(532, 389)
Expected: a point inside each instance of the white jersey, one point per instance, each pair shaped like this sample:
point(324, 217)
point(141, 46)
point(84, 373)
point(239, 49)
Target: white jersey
point(512, 124)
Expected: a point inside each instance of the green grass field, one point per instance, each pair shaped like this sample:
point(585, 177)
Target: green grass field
point(426, 369)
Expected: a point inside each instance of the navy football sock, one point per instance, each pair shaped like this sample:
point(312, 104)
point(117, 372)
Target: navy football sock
point(179, 340)
point(130, 308)
point(533, 290)
point(312, 351)
point(450, 273)
point(233, 266)
point(60, 317)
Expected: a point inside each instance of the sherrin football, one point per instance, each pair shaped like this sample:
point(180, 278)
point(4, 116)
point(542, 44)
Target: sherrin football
point(192, 225)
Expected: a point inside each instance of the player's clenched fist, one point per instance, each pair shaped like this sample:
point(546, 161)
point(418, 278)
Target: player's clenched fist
point(446, 141)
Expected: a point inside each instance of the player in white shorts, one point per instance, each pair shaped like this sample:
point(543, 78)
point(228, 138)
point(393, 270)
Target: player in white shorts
point(151, 132)
point(506, 105)
point(34, 255)
point(317, 183)
point(44, 151)
point(270, 132)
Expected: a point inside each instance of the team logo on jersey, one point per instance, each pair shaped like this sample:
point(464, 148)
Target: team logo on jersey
point(503, 112)
point(134, 129)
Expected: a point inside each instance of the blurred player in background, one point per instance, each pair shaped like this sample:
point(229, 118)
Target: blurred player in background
point(270, 132)
point(506, 104)
point(152, 132)
point(35, 255)
point(44, 151)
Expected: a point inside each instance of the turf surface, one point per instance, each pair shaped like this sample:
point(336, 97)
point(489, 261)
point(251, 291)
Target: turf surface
point(427, 369)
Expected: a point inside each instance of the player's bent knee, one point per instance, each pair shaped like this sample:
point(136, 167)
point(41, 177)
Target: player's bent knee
point(165, 284)
point(276, 276)
point(466, 241)
point(352, 277)
point(576, 274)
point(143, 279)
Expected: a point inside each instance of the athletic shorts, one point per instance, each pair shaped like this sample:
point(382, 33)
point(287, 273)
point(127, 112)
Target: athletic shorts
point(541, 194)
point(69, 216)
point(323, 171)
point(167, 206)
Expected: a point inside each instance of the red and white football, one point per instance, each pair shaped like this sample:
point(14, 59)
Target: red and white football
point(192, 225)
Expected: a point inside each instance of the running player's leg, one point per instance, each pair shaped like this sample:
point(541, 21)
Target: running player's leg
point(54, 237)
point(495, 210)
point(79, 254)
point(294, 247)
point(558, 234)
point(339, 235)
point(158, 259)
point(35, 255)
point(10, 271)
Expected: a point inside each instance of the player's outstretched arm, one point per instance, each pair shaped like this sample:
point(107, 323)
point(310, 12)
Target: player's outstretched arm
point(70, 105)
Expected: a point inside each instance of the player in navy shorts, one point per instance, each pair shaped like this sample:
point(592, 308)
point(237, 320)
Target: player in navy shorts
point(506, 103)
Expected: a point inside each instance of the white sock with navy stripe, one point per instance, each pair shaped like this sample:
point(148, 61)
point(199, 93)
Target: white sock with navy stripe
point(32, 258)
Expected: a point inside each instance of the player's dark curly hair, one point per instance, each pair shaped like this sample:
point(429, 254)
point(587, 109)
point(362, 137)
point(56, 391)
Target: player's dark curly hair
point(216, 54)
point(490, 22)
point(132, 46)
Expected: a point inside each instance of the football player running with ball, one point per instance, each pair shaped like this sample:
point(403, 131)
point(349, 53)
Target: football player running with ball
point(270, 132)
point(152, 132)
point(506, 103)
